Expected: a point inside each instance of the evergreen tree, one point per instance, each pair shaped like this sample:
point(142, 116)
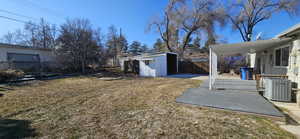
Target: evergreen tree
point(122, 43)
point(144, 48)
point(159, 46)
point(135, 47)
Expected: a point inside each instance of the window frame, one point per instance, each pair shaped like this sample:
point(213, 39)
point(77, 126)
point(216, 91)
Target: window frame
point(281, 57)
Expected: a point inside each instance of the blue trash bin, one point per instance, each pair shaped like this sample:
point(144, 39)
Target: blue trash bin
point(246, 73)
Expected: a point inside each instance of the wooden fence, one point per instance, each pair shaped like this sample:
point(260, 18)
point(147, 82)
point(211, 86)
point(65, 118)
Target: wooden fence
point(193, 67)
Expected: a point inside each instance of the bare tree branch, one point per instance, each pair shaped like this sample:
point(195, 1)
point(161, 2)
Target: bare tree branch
point(183, 18)
point(252, 12)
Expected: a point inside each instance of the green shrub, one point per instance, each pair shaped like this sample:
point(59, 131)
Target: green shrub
point(10, 75)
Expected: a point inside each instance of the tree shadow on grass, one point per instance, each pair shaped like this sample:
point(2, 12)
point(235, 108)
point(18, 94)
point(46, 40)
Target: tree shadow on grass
point(15, 129)
point(5, 88)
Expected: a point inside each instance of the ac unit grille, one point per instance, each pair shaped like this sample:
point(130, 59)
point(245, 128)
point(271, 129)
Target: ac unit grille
point(278, 89)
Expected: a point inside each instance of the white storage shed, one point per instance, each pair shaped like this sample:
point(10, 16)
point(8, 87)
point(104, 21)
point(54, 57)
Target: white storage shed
point(155, 65)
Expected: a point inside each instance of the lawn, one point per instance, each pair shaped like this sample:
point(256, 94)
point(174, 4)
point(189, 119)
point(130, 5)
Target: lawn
point(122, 108)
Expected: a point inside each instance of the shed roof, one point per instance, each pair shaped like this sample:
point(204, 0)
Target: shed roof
point(248, 47)
point(157, 54)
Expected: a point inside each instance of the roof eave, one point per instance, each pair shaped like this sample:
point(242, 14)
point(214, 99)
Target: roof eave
point(290, 32)
point(248, 47)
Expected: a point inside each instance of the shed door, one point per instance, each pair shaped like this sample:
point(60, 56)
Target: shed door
point(171, 64)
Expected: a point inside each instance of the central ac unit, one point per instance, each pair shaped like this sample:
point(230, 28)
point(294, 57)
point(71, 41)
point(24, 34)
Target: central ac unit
point(278, 89)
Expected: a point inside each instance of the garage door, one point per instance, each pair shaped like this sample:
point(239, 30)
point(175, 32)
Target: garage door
point(24, 61)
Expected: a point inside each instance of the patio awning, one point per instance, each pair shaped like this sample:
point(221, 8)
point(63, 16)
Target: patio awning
point(248, 47)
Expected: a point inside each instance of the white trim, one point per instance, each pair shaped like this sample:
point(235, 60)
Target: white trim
point(157, 55)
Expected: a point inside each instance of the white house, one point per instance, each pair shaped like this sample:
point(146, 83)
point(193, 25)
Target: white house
point(277, 56)
point(273, 58)
point(153, 65)
point(23, 57)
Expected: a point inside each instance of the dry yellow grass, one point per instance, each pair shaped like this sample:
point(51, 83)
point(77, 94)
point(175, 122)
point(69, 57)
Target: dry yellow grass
point(124, 108)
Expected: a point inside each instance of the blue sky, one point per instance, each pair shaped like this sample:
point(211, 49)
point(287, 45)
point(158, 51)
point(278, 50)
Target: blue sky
point(130, 15)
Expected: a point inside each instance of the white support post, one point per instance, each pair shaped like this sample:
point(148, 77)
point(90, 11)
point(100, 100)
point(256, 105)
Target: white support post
point(210, 69)
point(213, 68)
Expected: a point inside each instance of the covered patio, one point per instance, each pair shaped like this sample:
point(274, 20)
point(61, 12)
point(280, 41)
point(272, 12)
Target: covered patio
point(237, 48)
point(233, 94)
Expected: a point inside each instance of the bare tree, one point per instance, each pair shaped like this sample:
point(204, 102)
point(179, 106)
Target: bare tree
point(116, 44)
point(46, 34)
point(8, 38)
point(80, 44)
point(184, 19)
point(246, 14)
point(18, 37)
point(30, 32)
point(42, 35)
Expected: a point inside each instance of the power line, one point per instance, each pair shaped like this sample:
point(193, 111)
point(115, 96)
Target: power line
point(20, 15)
point(16, 20)
point(44, 9)
point(30, 4)
point(16, 14)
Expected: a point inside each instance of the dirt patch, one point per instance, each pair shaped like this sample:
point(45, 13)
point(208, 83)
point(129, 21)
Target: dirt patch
point(125, 108)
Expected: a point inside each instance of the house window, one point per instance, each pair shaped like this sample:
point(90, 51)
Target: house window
point(282, 56)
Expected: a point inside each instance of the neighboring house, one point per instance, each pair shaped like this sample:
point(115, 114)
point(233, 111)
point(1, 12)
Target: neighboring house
point(277, 56)
point(151, 65)
point(25, 58)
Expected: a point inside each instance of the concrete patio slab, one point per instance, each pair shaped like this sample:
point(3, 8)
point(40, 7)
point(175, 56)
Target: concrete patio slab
point(189, 76)
point(237, 97)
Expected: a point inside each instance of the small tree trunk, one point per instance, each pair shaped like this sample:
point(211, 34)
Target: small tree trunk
point(82, 66)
